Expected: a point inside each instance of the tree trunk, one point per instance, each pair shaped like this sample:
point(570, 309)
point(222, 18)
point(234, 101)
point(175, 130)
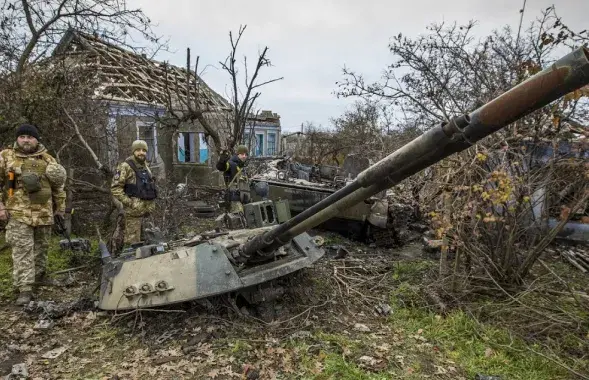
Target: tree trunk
point(69, 201)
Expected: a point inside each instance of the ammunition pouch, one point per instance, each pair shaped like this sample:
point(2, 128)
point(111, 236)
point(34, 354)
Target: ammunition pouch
point(39, 193)
point(31, 182)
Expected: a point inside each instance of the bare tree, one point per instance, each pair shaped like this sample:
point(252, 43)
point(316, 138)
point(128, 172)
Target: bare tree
point(243, 100)
point(360, 130)
point(448, 72)
point(34, 27)
point(187, 102)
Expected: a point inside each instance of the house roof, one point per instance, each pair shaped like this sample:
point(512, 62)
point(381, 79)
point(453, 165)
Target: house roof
point(130, 77)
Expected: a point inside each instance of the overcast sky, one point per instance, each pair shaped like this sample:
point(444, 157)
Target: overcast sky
point(311, 41)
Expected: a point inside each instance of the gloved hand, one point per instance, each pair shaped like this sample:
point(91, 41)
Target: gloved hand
point(59, 221)
point(224, 156)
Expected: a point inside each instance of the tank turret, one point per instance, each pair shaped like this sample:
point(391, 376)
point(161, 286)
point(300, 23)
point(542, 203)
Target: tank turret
point(241, 260)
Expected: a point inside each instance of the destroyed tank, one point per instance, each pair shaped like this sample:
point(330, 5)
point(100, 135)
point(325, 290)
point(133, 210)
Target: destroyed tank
point(241, 260)
point(306, 185)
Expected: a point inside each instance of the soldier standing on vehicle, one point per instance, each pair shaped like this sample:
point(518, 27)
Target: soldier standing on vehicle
point(134, 186)
point(33, 194)
point(235, 177)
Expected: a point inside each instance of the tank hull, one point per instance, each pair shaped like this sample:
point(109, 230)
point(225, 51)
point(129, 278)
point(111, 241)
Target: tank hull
point(192, 273)
point(351, 223)
point(302, 197)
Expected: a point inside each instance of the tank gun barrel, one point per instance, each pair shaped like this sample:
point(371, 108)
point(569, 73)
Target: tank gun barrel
point(568, 74)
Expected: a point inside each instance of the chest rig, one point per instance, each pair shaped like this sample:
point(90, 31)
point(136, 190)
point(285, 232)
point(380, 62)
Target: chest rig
point(144, 186)
point(31, 179)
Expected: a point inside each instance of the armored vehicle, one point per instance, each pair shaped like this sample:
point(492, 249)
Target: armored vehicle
point(241, 260)
point(306, 185)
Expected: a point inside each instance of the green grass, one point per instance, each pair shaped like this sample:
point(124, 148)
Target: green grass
point(5, 270)
point(475, 347)
point(56, 260)
point(336, 367)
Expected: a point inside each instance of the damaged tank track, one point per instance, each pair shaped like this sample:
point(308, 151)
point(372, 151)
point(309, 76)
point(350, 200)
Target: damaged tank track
point(243, 260)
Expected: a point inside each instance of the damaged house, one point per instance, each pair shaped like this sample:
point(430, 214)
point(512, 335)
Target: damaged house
point(135, 91)
point(262, 134)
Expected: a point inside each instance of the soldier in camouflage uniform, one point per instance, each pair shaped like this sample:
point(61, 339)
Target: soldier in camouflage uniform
point(33, 193)
point(236, 178)
point(134, 186)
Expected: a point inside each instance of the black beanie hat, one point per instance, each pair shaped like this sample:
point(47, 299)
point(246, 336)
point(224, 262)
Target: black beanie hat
point(27, 129)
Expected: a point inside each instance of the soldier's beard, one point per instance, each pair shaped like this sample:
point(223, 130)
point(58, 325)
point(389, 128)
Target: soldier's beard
point(28, 147)
point(140, 158)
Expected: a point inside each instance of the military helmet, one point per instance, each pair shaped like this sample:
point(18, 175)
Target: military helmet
point(56, 174)
point(242, 149)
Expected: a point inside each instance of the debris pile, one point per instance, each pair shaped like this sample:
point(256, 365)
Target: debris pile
point(50, 310)
point(404, 215)
point(577, 256)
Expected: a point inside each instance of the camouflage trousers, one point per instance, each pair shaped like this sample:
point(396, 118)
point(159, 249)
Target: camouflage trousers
point(133, 229)
point(29, 252)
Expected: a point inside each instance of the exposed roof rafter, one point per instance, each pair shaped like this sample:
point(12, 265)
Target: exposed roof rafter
point(126, 76)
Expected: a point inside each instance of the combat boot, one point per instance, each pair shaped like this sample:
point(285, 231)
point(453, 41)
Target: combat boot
point(24, 298)
point(43, 280)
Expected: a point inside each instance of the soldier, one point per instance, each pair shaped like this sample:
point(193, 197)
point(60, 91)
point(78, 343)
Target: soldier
point(134, 186)
point(33, 194)
point(235, 178)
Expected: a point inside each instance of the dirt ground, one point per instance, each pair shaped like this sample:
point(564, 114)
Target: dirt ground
point(341, 319)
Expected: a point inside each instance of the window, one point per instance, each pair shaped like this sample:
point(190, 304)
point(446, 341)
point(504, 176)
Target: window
point(147, 132)
point(259, 144)
point(204, 149)
point(246, 139)
point(191, 150)
point(186, 151)
point(271, 143)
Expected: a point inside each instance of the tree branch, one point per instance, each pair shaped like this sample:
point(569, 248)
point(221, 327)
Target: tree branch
point(83, 141)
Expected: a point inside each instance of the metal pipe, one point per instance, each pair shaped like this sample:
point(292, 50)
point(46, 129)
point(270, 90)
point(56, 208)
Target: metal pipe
point(569, 73)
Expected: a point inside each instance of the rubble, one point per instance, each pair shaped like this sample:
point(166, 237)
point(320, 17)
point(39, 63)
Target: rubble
point(18, 371)
point(44, 324)
point(577, 257)
point(432, 245)
point(361, 327)
point(55, 353)
point(50, 310)
point(383, 309)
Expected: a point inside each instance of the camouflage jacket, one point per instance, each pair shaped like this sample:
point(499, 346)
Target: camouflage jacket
point(19, 205)
point(126, 175)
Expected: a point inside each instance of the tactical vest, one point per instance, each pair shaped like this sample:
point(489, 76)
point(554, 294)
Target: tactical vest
point(144, 186)
point(32, 179)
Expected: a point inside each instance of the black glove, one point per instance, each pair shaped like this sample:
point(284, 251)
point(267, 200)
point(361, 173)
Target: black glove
point(225, 155)
point(223, 158)
point(59, 224)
